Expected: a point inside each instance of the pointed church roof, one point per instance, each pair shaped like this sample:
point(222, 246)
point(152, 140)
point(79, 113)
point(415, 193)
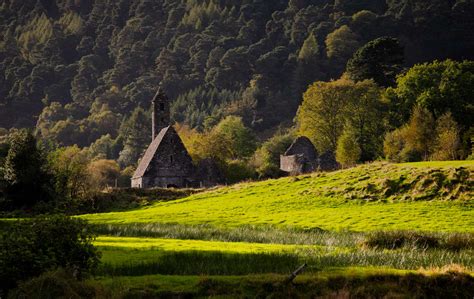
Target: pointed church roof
point(150, 153)
point(302, 145)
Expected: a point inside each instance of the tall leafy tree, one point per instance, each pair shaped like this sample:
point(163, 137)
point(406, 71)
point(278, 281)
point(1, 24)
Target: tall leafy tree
point(69, 166)
point(447, 138)
point(440, 86)
point(240, 141)
point(307, 68)
point(330, 106)
point(415, 140)
point(341, 44)
point(380, 60)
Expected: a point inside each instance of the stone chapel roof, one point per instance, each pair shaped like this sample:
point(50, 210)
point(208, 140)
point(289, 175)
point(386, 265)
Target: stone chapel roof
point(150, 153)
point(302, 145)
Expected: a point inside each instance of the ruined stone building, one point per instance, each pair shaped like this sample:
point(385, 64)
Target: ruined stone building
point(302, 157)
point(166, 162)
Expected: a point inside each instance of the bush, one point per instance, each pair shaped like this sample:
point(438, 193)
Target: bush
point(348, 149)
point(267, 158)
point(398, 239)
point(237, 171)
point(59, 283)
point(459, 241)
point(31, 247)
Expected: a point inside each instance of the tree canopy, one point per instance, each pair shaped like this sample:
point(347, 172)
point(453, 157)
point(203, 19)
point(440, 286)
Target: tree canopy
point(330, 106)
point(440, 87)
point(380, 60)
point(77, 74)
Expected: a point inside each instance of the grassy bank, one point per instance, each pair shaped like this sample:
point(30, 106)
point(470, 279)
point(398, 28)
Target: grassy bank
point(373, 230)
point(331, 283)
point(144, 256)
point(370, 197)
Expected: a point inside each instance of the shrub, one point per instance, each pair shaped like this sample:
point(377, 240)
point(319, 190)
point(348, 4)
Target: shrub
point(31, 247)
point(459, 241)
point(103, 173)
point(238, 170)
point(59, 283)
point(348, 150)
point(267, 157)
point(398, 239)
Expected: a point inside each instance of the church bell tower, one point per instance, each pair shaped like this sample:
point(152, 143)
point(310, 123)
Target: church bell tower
point(160, 112)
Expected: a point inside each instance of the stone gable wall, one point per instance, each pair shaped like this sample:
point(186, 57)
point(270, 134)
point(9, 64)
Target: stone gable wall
point(171, 165)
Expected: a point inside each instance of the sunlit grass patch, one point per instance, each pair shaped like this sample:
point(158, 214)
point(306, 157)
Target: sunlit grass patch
point(176, 245)
point(143, 256)
point(443, 164)
point(246, 233)
point(304, 213)
point(391, 198)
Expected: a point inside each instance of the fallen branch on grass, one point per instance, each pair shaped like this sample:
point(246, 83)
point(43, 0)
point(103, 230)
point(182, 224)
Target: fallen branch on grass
point(295, 273)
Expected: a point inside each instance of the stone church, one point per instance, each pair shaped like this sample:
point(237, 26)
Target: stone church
point(166, 162)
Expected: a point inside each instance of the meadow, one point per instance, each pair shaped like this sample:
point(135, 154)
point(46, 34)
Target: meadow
point(367, 198)
point(412, 218)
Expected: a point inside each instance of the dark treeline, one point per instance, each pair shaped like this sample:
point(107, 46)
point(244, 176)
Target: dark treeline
point(78, 69)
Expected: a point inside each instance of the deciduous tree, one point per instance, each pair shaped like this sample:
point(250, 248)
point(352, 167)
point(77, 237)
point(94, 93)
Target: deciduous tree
point(348, 150)
point(447, 138)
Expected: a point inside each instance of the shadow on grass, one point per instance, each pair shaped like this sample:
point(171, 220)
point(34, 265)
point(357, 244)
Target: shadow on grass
point(205, 263)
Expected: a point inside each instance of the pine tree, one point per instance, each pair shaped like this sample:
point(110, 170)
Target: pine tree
point(25, 171)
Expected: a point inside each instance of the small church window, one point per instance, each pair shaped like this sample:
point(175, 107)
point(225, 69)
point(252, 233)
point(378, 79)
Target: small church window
point(171, 158)
point(162, 107)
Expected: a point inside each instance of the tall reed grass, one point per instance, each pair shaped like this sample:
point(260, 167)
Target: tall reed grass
point(298, 236)
point(222, 263)
point(247, 233)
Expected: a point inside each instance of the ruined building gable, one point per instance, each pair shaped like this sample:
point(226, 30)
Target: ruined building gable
point(302, 145)
point(302, 157)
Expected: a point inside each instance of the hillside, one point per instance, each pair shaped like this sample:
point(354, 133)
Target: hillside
point(77, 69)
point(376, 230)
point(434, 196)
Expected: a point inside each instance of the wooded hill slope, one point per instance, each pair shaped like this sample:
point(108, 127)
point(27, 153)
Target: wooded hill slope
point(77, 69)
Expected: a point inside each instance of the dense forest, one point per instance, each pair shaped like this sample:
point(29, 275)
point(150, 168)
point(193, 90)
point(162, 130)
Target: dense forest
point(83, 72)
point(362, 80)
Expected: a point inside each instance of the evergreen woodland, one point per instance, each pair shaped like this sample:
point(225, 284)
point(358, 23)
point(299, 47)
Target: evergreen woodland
point(77, 70)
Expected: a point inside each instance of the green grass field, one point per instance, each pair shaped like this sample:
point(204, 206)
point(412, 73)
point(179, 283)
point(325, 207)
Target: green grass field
point(342, 200)
point(273, 226)
point(360, 282)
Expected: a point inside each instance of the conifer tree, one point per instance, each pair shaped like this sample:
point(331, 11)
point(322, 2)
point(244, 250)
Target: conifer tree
point(25, 171)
